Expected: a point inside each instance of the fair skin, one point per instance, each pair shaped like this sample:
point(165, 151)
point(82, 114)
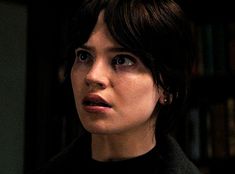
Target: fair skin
point(115, 96)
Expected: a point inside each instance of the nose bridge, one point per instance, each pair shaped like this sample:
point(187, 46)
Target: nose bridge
point(98, 72)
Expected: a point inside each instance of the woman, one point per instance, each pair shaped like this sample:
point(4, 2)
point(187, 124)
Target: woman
point(130, 68)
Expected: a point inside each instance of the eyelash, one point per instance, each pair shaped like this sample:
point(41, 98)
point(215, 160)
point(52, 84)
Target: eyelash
point(117, 61)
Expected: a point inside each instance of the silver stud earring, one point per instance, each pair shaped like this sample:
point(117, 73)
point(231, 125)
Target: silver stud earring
point(165, 100)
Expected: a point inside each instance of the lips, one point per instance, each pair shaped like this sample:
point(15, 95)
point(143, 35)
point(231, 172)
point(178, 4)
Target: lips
point(93, 100)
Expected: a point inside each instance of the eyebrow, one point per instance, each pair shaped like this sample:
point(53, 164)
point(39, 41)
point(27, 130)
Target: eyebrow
point(110, 49)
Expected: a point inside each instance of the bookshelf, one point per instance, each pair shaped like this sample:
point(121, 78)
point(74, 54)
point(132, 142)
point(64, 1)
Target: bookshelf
point(209, 123)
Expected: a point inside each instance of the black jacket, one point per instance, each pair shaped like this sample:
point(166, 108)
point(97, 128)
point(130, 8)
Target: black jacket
point(166, 158)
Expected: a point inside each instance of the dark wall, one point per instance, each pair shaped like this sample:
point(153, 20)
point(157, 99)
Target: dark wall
point(51, 120)
point(13, 46)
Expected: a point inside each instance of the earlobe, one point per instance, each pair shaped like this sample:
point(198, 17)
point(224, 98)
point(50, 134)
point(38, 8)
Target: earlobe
point(166, 98)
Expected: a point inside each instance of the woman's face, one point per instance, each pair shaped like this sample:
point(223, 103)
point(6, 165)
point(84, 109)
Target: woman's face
point(114, 92)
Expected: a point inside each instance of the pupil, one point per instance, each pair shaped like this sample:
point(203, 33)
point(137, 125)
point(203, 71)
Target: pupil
point(83, 57)
point(121, 60)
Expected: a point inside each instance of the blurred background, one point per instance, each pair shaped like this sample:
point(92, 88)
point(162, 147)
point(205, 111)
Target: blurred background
point(37, 114)
point(13, 53)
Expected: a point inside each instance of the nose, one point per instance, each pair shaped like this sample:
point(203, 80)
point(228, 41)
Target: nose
point(97, 76)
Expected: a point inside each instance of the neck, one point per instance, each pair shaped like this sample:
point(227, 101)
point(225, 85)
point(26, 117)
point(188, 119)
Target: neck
point(120, 147)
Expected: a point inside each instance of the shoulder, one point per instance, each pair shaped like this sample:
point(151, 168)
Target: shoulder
point(174, 159)
point(69, 160)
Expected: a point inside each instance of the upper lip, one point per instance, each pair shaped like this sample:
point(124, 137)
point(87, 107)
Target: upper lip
point(94, 98)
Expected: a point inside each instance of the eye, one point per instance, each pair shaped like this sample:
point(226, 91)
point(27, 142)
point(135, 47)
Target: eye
point(123, 60)
point(83, 56)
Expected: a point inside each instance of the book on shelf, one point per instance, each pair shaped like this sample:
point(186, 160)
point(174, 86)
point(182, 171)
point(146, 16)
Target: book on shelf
point(209, 132)
point(193, 144)
point(231, 45)
point(220, 48)
point(198, 69)
point(219, 130)
point(207, 49)
point(231, 126)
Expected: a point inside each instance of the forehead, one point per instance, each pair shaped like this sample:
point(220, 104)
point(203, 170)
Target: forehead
point(100, 34)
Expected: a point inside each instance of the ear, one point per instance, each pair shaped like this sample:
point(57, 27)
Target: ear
point(165, 98)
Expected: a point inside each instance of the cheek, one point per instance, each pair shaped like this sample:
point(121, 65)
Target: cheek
point(77, 83)
point(145, 98)
point(139, 97)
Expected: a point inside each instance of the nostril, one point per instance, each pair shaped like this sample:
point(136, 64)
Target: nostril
point(94, 85)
